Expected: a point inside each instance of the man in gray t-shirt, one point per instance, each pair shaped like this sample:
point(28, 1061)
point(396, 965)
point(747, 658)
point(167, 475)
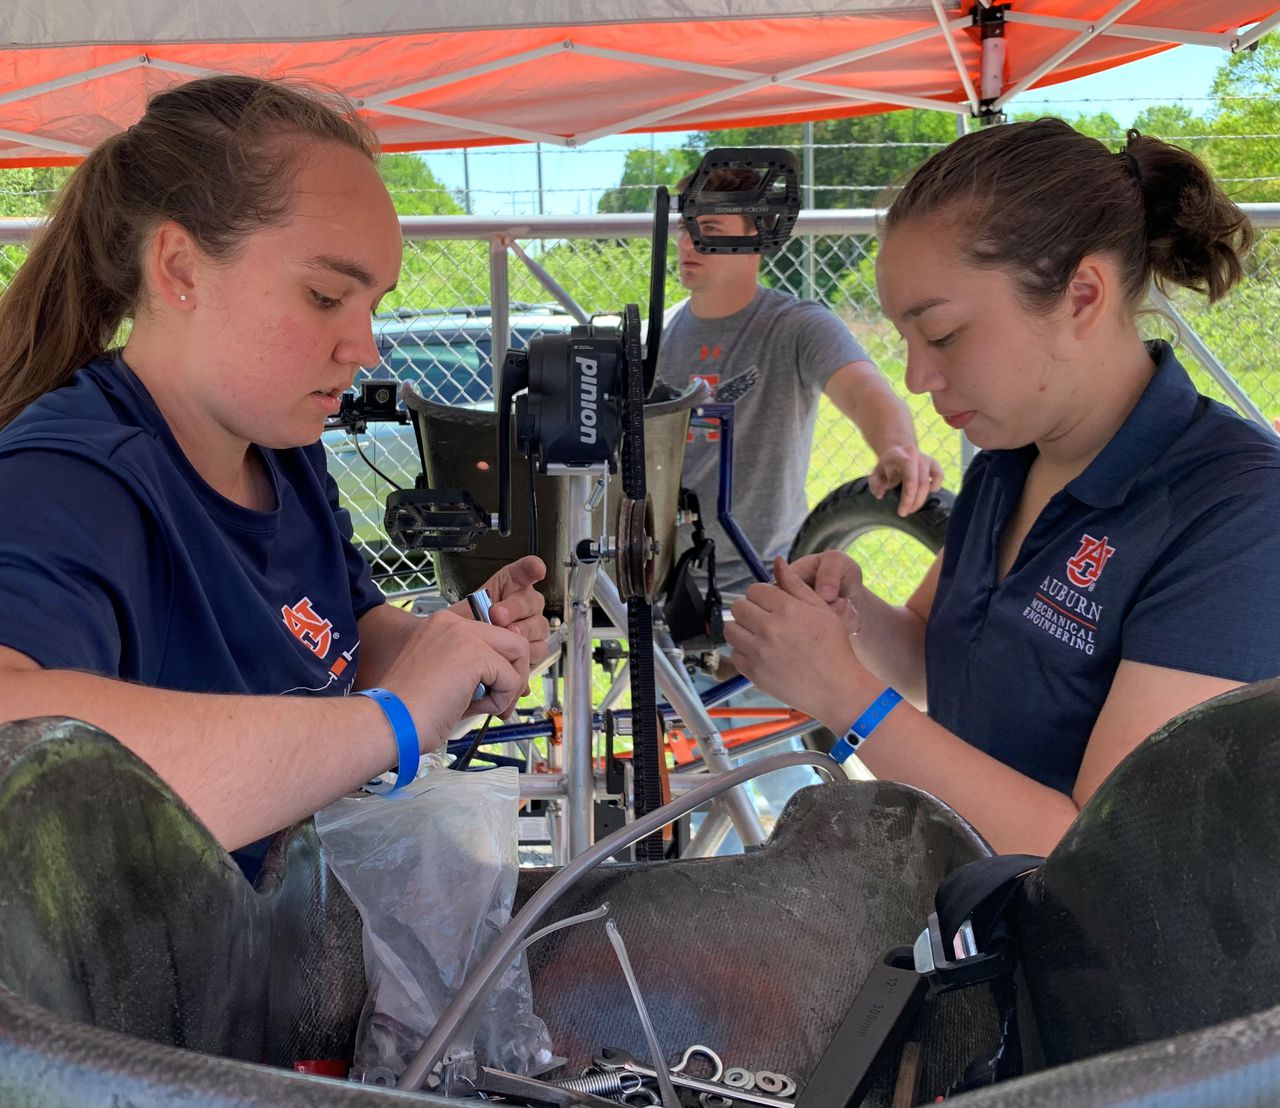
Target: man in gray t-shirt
point(772, 356)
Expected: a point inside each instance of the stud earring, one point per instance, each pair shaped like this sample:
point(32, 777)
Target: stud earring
point(182, 297)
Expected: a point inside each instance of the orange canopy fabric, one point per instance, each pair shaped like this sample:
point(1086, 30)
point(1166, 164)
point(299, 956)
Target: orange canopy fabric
point(568, 71)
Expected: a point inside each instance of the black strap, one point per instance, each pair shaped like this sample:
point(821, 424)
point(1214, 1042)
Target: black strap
point(980, 892)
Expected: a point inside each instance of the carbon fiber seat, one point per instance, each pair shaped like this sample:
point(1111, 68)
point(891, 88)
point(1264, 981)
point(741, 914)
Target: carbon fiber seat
point(136, 962)
point(1150, 938)
point(137, 966)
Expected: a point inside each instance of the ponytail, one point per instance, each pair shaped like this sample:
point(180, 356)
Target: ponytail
point(58, 312)
point(1196, 237)
point(1035, 198)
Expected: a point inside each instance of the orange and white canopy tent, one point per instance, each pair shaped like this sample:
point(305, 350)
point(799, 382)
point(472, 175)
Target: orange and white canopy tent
point(442, 73)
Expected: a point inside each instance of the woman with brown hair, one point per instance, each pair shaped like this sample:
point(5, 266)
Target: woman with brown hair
point(175, 566)
point(1113, 557)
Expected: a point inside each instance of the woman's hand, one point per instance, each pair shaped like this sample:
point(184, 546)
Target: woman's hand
point(910, 467)
point(518, 605)
point(793, 646)
point(443, 660)
point(836, 579)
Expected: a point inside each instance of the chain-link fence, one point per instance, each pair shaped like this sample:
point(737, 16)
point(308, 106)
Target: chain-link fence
point(438, 334)
point(603, 264)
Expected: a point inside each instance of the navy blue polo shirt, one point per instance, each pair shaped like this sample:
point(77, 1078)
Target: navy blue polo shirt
point(116, 558)
point(1165, 551)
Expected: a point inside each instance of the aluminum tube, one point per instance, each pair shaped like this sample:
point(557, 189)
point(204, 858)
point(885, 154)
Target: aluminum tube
point(712, 833)
point(494, 964)
point(499, 301)
point(551, 285)
point(541, 786)
point(439, 228)
point(621, 683)
point(680, 693)
point(1209, 360)
point(579, 729)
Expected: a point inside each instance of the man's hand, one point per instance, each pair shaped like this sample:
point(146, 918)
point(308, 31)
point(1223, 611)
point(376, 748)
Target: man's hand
point(517, 605)
point(910, 467)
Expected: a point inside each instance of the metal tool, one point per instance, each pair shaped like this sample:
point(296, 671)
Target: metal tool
point(663, 1077)
point(699, 1051)
point(612, 1058)
point(480, 602)
point(539, 1092)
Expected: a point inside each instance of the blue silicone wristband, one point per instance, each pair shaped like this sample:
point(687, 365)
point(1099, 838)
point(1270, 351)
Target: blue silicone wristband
point(865, 724)
point(405, 731)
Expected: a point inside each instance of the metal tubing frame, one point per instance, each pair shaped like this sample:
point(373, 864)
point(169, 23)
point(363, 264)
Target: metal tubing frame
point(579, 715)
point(681, 694)
point(1247, 38)
point(954, 47)
point(1208, 359)
point(740, 82)
point(1092, 31)
point(1165, 35)
point(19, 230)
point(723, 415)
point(749, 81)
point(549, 283)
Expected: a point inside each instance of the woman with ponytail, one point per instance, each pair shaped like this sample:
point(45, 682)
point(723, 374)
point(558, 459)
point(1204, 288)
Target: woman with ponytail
point(174, 564)
point(1114, 555)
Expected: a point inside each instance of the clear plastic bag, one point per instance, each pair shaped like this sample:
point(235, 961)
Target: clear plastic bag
point(432, 869)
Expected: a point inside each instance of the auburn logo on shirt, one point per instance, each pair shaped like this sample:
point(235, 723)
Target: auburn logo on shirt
point(307, 627)
point(1085, 566)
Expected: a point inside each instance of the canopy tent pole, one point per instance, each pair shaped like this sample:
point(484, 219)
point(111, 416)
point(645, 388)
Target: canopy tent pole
point(1244, 41)
point(1073, 47)
point(790, 78)
point(954, 47)
point(1171, 36)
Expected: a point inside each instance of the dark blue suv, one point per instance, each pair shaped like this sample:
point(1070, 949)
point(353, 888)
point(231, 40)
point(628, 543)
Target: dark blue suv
point(448, 353)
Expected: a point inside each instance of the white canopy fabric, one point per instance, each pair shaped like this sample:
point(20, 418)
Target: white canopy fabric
point(434, 74)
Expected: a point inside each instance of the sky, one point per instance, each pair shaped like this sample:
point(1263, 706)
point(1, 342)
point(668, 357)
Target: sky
point(504, 179)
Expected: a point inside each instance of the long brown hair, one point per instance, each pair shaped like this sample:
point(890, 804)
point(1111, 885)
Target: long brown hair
point(1035, 198)
point(214, 155)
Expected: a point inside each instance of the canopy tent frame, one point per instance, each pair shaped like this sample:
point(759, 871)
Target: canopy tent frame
point(973, 82)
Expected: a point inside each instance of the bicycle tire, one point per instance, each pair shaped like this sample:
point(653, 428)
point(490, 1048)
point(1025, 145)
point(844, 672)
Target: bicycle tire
point(850, 511)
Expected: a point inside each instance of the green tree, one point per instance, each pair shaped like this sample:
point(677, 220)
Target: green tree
point(414, 188)
point(642, 171)
point(1100, 125)
point(1170, 121)
point(1247, 94)
point(28, 191)
point(856, 159)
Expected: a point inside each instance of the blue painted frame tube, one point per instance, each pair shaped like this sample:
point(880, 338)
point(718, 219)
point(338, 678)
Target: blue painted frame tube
point(723, 415)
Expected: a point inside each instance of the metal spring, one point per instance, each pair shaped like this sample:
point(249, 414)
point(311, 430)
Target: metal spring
point(612, 1083)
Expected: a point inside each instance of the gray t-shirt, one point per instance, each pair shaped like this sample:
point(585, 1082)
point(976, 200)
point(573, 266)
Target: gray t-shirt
point(771, 361)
